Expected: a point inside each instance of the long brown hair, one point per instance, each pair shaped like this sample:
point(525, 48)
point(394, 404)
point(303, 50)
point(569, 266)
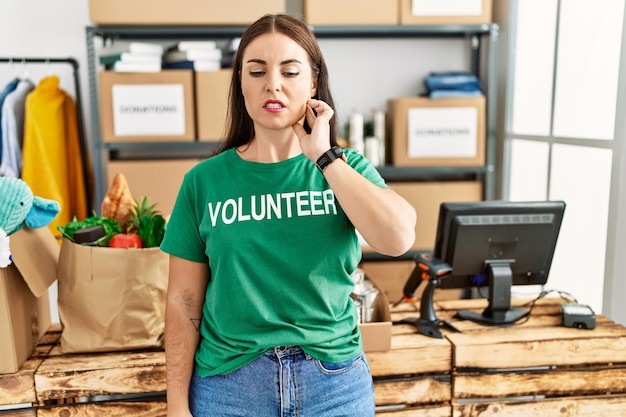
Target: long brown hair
point(239, 125)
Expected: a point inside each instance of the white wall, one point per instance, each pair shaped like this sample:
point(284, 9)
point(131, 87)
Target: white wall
point(40, 29)
point(46, 29)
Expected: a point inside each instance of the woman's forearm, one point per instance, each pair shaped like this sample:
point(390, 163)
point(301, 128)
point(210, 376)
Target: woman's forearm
point(181, 340)
point(384, 219)
point(185, 299)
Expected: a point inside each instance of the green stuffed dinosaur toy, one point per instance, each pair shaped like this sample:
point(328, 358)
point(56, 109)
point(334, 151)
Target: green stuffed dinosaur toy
point(19, 209)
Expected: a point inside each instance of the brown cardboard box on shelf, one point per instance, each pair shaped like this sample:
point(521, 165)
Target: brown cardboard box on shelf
point(376, 335)
point(147, 107)
point(437, 132)
point(180, 12)
point(24, 302)
point(445, 12)
point(351, 12)
point(426, 197)
point(212, 88)
point(158, 179)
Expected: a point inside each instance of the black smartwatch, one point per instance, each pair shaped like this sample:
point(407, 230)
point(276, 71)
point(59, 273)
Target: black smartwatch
point(336, 152)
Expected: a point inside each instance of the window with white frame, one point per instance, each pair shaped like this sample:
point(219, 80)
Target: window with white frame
point(560, 125)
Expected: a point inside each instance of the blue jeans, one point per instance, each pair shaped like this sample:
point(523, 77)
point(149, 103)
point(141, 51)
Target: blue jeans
point(286, 382)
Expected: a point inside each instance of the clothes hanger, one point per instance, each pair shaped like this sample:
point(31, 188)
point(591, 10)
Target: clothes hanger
point(25, 73)
point(48, 68)
point(14, 69)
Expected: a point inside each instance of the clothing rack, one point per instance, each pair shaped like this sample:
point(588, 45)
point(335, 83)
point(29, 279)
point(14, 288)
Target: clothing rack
point(79, 114)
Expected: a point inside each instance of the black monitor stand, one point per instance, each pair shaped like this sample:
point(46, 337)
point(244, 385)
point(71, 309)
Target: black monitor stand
point(428, 323)
point(499, 311)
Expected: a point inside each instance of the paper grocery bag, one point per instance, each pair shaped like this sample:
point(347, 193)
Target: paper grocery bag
point(111, 299)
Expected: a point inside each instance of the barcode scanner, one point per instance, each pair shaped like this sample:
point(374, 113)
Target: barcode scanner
point(427, 268)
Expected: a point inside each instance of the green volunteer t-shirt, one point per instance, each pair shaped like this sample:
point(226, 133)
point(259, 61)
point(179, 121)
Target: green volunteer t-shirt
point(281, 251)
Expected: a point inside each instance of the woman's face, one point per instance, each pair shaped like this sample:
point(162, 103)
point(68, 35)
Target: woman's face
point(276, 81)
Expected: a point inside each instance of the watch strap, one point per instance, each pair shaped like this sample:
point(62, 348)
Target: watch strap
point(336, 152)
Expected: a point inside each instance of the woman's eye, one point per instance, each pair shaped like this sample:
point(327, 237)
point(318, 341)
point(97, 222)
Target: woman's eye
point(291, 74)
point(256, 73)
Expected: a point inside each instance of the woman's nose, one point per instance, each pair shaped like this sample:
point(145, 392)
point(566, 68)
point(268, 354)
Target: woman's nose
point(273, 82)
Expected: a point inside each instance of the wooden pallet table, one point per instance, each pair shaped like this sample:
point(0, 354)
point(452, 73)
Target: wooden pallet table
point(19, 388)
point(538, 368)
point(414, 377)
point(415, 371)
point(96, 384)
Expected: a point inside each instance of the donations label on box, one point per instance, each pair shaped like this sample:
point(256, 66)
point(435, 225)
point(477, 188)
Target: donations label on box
point(148, 109)
point(445, 12)
point(437, 132)
point(147, 106)
point(447, 8)
point(443, 132)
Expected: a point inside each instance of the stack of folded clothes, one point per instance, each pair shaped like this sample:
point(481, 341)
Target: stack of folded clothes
point(452, 84)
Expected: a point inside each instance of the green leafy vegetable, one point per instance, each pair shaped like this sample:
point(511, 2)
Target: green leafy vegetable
point(110, 226)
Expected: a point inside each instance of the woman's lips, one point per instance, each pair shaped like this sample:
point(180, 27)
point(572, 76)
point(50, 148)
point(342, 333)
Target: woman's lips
point(273, 105)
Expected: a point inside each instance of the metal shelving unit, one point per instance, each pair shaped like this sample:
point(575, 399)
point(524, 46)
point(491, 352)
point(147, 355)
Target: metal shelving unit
point(477, 36)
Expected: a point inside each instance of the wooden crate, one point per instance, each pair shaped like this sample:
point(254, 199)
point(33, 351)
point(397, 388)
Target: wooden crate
point(420, 411)
point(153, 408)
point(539, 368)
point(19, 388)
point(604, 406)
point(415, 372)
point(56, 382)
point(121, 373)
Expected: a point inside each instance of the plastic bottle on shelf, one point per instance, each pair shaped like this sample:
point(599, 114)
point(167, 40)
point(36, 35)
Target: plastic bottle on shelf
point(372, 150)
point(356, 132)
point(379, 133)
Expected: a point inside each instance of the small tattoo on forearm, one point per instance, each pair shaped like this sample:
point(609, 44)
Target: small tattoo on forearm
point(196, 324)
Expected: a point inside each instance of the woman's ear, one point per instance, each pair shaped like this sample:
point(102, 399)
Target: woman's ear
point(314, 88)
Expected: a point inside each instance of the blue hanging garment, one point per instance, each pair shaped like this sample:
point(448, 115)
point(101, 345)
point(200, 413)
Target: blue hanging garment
point(5, 92)
point(12, 123)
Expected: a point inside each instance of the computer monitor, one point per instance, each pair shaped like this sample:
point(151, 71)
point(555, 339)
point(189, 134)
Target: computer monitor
point(497, 244)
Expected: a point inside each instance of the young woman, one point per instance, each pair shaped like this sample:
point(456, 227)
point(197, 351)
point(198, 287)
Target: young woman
point(262, 243)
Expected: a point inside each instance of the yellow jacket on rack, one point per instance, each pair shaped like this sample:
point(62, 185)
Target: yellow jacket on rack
point(51, 154)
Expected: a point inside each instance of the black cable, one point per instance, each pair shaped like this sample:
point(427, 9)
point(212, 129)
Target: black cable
point(531, 304)
point(563, 294)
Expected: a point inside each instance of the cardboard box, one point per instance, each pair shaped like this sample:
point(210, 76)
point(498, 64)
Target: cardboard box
point(376, 335)
point(24, 302)
point(212, 89)
point(158, 179)
point(351, 12)
point(147, 107)
point(445, 12)
point(180, 12)
point(426, 197)
point(437, 132)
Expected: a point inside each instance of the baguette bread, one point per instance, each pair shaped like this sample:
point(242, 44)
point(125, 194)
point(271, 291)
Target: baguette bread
point(118, 202)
